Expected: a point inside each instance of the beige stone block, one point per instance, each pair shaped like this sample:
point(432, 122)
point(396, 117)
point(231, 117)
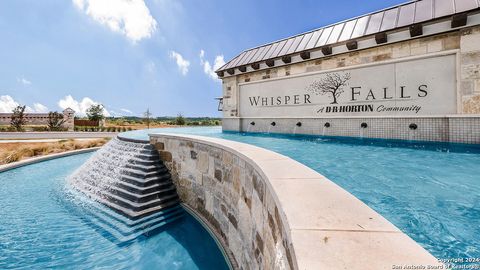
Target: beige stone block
point(435, 46)
point(476, 89)
point(471, 105)
point(368, 52)
point(202, 162)
point(209, 202)
point(314, 68)
point(298, 68)
point(245, 221)
point(366, 59)
point(257, 212)
point(211, 166)
point(227, 158)
point(418, 50)
point(384, 50)
point(353, 60)
point(329, 64)
point(451, 42)
point(467, 87)
point(470, 71)
point(470, 58)
point(235, 243)
point(236, 179)
point(470, 43)
point(401, 50)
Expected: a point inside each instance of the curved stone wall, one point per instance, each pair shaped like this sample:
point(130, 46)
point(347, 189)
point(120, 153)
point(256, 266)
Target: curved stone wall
point(271, 212)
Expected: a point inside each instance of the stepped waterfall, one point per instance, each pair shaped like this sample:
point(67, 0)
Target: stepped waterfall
point(127, 190)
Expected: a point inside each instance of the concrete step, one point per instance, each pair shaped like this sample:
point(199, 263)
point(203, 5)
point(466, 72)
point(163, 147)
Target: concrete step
point(126, 235)
point(143, 190)
point(161, 190)
point(145, 182)
point(125, 229)
point(133, 214)
point(146, 168)
point(143, 175)
point(111, 196)
point(141, 198)
point(146, 162)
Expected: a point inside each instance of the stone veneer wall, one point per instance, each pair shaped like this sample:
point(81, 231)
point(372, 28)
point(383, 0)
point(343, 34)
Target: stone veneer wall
point(271, 212)
point(233, 197)
point(466, 41)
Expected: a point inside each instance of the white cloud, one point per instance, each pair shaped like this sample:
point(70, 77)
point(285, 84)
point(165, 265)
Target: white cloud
point(40, 108)
point(207, 67)
point(80, 107)
point(131, 18)
point(24, 81)
point(126, 111)
point(7, 104)
point(181, 62)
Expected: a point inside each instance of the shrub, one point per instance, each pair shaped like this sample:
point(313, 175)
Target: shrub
point(180, 120)
point(18, 118)
point(55, 121)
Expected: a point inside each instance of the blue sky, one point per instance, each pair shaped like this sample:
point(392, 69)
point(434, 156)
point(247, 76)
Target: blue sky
point(131, 55)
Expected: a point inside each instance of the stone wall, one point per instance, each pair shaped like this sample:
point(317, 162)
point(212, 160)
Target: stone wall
point(233, 197)
point(271, 212)
point(470, 70)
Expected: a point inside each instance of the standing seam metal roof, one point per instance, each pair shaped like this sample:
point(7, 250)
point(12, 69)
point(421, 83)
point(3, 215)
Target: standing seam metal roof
point(391, 18)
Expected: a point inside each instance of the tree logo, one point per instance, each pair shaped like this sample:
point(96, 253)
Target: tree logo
point(332, 84)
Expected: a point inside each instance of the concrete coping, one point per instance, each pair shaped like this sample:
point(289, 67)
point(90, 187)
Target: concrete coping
point(328, 227)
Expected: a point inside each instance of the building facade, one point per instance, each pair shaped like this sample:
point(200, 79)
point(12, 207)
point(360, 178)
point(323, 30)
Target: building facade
point(41, 119)
point(408, 72)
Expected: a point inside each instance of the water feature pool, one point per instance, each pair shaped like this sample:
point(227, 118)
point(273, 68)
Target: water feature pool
point(39, 230)
point(428, 190)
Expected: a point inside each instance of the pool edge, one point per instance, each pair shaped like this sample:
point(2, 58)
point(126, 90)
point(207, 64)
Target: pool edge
point(29, 161)
point(303, 230)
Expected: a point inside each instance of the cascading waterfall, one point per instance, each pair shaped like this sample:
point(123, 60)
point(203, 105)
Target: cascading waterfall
point(130, 191)
point(104, 168)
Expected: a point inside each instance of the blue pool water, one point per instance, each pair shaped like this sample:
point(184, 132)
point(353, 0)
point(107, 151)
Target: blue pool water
point(429, 191)
point(38, 230)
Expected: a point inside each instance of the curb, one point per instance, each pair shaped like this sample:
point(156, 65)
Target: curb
point(14, 165)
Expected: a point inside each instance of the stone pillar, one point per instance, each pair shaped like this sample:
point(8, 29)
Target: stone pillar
point(470, 70)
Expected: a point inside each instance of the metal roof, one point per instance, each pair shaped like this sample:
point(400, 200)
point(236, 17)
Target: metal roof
point(402, 15)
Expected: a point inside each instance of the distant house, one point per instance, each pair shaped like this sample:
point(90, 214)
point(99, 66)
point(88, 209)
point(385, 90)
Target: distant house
point(35, 119)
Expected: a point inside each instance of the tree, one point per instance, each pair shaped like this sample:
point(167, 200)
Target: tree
point(17, 119)
point(147, 115)
point(95, 112)
point(333, 84)
point(180, 120)
point(55, 121)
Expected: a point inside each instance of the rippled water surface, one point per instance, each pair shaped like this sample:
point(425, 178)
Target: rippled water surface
point(38, 230)
point(430, 191)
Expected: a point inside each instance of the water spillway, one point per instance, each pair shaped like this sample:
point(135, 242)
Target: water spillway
point(130, 191)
